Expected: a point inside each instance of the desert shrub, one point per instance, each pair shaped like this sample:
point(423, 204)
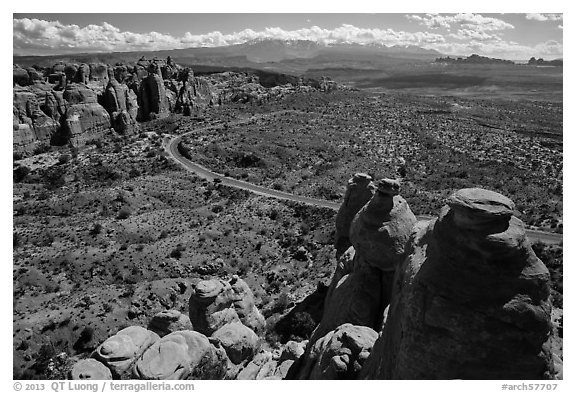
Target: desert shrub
point(41, 148)
point(299, 325)
point(64, 158)
point(177, 252)
point(123, 213)
point(96, 229)
point(20, 173)
point(282, 302)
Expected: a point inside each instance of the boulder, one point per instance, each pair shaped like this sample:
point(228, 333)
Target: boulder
point(178, 355)
point(359, 191)
point(120, 352)
point(253, 368)
point(340, 354)
point(90, 369)
point(239, 341)
point(211, 306)
point(166, 322)
point(382, 227)
point(470, 300)
point(216, 302)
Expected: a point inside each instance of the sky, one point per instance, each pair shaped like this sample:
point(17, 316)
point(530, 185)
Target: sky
point(516, 36)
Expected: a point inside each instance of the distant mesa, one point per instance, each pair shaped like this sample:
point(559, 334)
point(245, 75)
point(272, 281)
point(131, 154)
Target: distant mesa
point(472, 59)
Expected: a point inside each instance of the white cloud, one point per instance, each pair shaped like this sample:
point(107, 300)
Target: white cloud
point(545, 17)
point(468, 21)
point(40, 36)
point(472, 33)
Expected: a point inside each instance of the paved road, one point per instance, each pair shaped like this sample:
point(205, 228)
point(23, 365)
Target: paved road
point(171, 146)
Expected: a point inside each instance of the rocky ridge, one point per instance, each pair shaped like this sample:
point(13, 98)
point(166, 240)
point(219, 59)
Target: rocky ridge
point(75, 103)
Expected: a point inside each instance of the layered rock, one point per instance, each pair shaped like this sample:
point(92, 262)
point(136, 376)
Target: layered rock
point(210, 306)
point(169, 321)
point(470, 299)
point(90, 369)
point(120, 352)
point(85, 122)
point(31, 126)
point(340, 354)
point(216, 302)
point(382, 227)
point(359, 191)
point(178, 355)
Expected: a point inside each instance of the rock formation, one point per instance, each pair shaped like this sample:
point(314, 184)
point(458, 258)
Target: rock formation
point(216, 302)
point(177, 355)
point(166, 322)
point(359, 191)
point(239, 341)
point(32, 127)
point(362, 283)
point(121, 104)
point(194, 93)
point(83, 74)
point(470, 300)
point(152, 99)
point(90, 369)
point(120, 352)
point(340, 354)
point(382, 227)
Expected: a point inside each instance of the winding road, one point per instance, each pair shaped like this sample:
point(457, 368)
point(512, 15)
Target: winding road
point(171, 147)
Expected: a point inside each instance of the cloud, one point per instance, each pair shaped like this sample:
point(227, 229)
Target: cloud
point(545, 17)
point(468, 21)
point(34, 36)
point(468, 34)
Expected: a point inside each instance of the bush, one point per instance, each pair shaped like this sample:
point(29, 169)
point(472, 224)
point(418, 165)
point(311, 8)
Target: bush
point(96, 229)
point(41, 148)
point(64, 158)
point(20, 173)
point(123, 213)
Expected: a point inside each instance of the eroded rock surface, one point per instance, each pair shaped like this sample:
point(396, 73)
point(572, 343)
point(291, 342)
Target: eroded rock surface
point(177, 355)
point(470, 300)
point(120, 352)
point(359, 191)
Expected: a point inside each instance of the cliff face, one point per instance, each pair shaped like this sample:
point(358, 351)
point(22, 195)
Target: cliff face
point(470, 300)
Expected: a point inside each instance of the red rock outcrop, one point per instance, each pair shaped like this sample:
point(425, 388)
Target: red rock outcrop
point(470, 299)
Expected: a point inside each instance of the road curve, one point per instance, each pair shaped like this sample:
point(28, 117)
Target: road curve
point(171, 147)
